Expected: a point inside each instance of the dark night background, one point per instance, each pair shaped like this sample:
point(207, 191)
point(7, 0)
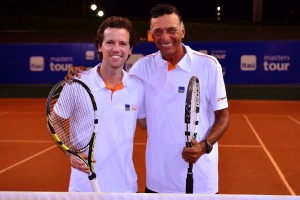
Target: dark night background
point(273, 11)
point(74, 21)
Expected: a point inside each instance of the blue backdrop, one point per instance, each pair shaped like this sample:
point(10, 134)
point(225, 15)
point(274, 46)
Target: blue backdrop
point(247, 62)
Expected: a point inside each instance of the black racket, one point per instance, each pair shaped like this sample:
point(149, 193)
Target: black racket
point(192, 108)
point(72, 120)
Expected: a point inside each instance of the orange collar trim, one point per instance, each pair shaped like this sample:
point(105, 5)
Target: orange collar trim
point(170, 66)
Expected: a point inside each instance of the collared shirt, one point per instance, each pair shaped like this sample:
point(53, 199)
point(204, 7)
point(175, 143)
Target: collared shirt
point(165, 95)
point(117, 114)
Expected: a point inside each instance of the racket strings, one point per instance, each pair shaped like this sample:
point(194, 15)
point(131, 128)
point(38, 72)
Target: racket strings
point(85, 118)
point(195, 108)
point(73, 116)
point(192, 109)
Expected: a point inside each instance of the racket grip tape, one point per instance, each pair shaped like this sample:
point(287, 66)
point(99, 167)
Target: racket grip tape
point(94, 183)
point(188, 144)
point(189, 183)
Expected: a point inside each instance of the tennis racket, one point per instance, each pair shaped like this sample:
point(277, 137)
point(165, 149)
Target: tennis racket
point(192, 108)
point(72, 120)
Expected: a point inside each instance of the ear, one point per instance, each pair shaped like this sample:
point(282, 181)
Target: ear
point(182, 31)
point(129, 54)
point(99, 48)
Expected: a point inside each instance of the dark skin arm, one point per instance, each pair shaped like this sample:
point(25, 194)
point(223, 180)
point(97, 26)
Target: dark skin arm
point(221, 124)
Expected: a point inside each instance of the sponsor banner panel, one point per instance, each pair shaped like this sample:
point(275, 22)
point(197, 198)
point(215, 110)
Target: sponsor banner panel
point(256, 62)
point(43, 63)
point(247, 62)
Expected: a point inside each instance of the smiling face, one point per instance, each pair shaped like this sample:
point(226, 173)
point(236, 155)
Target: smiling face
point(168, 32)
point(115, 47)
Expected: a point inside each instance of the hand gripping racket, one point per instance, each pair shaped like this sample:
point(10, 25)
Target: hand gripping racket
point(192, 108)
point(72, 120)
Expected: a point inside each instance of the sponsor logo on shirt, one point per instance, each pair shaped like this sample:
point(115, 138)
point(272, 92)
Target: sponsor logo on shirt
point(221, 98)
point(132, 107)
point(181, 89)
point(127, 107)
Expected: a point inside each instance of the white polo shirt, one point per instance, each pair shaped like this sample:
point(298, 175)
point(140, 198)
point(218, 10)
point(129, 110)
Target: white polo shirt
point(117, 115)
point(165, 94)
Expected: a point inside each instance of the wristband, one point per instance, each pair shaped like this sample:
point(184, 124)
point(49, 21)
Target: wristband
point(209, 147)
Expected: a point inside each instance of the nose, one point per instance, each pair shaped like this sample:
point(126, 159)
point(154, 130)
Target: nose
point(116, 47)
point(165, 35)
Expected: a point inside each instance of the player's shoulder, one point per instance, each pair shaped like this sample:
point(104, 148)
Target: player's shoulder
point(133, 78)
point(204, 57)
point(144, 64)
point(88, 75)
point(147, 59)
point(85, 76)
point(134, 82)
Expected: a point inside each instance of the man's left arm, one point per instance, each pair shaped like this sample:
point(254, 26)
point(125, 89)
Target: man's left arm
point(221, 124)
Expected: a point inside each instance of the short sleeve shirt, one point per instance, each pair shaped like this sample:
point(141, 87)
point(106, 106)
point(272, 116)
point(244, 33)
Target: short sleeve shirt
point(165, 94)
point(117, 115)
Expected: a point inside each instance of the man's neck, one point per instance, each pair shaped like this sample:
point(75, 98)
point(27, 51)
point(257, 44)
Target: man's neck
point(111, 76)
point(174, 59)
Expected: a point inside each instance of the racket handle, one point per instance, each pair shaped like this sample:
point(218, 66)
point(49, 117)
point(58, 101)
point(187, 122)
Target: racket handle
point(188, 144)
point(95, 185)
point(94, 182)
point(189, 183)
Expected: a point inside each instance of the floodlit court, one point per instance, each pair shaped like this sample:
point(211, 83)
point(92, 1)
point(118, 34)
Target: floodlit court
point(259, 154)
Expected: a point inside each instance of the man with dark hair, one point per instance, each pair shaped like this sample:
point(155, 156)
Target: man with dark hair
point(119, 97)
point(163, 73)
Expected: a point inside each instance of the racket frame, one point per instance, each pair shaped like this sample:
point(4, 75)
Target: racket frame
point(92, 175)
point(192, 109)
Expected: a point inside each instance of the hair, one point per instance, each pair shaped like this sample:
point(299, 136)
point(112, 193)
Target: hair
point(163, 9)
point(115, 22)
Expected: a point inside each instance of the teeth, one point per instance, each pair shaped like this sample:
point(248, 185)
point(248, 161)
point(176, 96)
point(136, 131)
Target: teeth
point(167, 45)
point(116, 56)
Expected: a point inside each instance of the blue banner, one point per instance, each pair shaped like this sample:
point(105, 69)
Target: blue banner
point(247, 62)
point(43, 63)
point(256, 62)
